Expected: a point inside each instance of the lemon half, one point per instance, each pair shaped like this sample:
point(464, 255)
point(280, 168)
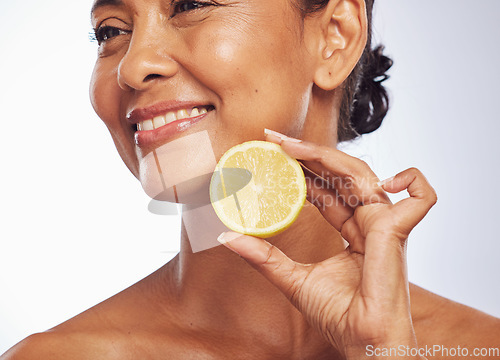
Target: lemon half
point(257, 189)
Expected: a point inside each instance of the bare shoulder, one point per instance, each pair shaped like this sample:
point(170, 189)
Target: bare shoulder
point(135, 323)
point(53, 345)
point(441, 321)
point(124, 344)
point(89, 335)
point(29, 348)
point(427, 305)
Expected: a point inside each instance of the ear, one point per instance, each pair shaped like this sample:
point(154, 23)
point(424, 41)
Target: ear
point(342, 31)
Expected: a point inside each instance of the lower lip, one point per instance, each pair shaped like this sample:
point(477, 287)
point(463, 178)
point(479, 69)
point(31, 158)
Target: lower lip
point(150, 137)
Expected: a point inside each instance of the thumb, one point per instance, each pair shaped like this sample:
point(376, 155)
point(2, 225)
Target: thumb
point(284, 273)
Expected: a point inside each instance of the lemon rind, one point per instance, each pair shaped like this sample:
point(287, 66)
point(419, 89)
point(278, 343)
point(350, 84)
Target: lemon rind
point(295, 210)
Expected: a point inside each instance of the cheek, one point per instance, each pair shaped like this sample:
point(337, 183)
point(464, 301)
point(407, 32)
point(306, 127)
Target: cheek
point(260, 78)
point(216, 57)
point(105, 94)
point(224, 52)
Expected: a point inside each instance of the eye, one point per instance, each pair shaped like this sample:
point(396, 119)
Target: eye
point(104, 33)
point(186, 5)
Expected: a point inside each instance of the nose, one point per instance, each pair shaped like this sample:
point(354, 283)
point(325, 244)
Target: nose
point(146, 61)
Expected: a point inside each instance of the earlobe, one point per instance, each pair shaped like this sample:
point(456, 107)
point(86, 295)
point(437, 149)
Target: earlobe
point(343, 39)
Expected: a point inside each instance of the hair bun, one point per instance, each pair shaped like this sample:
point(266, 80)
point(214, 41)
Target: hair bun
point(371, 101)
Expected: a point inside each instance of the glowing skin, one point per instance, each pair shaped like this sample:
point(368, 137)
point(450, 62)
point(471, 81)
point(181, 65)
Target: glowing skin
point(255, 64)
point(243, 57)
point(250, 62)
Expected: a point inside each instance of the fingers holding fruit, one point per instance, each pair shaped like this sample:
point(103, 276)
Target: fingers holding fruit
point(354, 294)
point(337, 184)
point(351, 177)
point(351, 197)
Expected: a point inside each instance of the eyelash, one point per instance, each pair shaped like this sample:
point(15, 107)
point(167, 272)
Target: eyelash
point(100, 35)
point(178, 6)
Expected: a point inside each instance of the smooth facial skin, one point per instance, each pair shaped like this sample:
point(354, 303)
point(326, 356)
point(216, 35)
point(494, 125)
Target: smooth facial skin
point(247, 59)
point(256, 64)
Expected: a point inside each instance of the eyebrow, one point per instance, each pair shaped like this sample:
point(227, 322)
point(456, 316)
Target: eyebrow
point(101, 3)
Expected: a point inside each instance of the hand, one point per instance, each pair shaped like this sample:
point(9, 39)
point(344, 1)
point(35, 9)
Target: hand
point(359, 297)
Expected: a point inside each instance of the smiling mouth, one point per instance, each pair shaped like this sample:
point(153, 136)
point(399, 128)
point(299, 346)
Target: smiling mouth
point(172, 116)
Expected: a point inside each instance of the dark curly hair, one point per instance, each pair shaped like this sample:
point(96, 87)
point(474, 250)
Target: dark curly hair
point(365, 101)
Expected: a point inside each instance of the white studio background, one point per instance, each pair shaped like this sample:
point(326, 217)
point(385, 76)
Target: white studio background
point(75, 228)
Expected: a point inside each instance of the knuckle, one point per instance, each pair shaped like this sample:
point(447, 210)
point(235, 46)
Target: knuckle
point(347, 230)
point(430, 192)
point(363, 164)
point(433, 198)
point(324, 152)
point(269, 255)
point(274, 262)
point(277, 265)
point(294, 288)
point(362, 168)
point(414, 171)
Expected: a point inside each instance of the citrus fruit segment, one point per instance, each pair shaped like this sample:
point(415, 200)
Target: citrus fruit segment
point(257, 189)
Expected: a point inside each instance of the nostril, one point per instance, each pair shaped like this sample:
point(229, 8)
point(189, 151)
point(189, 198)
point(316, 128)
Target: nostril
point(151, 77)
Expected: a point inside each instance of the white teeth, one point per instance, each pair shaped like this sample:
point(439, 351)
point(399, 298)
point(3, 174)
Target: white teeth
point(158, 121)
point(194, 112)
point(169, 117)
point(147, 125)
point(182, 114)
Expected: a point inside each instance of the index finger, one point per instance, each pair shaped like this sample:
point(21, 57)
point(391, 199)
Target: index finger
point(355, 176)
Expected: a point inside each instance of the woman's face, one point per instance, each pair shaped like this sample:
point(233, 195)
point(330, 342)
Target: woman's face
point(242, 61)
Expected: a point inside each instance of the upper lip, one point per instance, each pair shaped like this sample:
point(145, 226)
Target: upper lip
point(161, 108)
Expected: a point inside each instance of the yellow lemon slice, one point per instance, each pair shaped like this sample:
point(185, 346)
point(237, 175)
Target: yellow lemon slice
point(257, 189)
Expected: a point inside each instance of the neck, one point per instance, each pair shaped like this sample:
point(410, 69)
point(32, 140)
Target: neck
point(218, 290)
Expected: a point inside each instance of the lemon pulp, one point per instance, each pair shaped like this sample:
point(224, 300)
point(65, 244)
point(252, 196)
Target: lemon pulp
point(257, 189)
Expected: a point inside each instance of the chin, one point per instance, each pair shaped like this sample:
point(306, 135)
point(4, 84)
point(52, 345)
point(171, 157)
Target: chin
point(179, 171)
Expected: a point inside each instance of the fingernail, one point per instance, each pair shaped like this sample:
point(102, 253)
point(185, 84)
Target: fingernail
point(383, 182)
point(281, 136)
point(225, 237)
